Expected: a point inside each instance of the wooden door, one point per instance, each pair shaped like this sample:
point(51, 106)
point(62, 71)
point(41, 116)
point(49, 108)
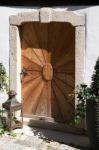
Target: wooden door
point(48, 70)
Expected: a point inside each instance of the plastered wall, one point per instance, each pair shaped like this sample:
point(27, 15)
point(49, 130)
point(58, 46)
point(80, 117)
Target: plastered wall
point(92, 34)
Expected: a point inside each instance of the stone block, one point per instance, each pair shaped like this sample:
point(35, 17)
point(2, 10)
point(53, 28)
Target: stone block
point(45, 15)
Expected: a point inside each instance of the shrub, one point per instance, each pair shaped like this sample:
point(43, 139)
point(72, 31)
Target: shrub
point(3, 78)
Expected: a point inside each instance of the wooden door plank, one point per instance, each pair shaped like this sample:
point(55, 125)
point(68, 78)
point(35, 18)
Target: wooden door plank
point(56, 111)
point(67, 80)
point(67, 57)
point(40, 55)
point(41, 30)
point(34, 99)
point(42, 36)
point(30, 77)
point(28, 89)
point(66, 66)
point(48, 87)
point(29, 36)
point(66, 110)
point(42, 109)
point(65, 40)
point(30, 54)
point(53, 36)
point(29, 64)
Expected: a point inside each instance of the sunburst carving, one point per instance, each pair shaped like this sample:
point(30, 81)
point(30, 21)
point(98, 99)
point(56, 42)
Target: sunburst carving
point(48, 58)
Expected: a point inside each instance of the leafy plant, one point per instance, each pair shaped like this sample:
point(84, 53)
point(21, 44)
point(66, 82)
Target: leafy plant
point(84, 93)
point(4, 86)
point(95, 82)
point(81, 93)
point(13, 134)
point(5, 129)
point(3, 78)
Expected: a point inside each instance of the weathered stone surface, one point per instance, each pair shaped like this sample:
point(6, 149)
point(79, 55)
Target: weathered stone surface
point(24, 17)
point(15, 61)
point(45, 15)
point(13, 57)
point(68, 16)
point(48, 15)
point(80, 60)
point(80, 55)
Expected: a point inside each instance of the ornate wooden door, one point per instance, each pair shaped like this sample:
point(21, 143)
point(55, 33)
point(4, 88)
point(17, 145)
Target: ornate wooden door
point(48, 70)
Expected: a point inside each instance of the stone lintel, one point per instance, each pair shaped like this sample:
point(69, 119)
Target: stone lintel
point(20, 18)
point(68, 16)
point(45, 15)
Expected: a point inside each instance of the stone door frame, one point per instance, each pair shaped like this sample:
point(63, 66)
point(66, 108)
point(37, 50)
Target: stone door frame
point(45, 15)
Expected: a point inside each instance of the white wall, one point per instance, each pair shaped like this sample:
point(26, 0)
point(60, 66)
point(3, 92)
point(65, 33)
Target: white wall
point(92, 34)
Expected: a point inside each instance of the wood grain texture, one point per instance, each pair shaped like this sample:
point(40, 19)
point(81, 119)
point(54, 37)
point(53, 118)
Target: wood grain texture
point(48, 60)
point(29, 64)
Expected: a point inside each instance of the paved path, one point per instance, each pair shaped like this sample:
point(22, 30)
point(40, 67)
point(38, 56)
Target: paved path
point(30, 143)
point(26, 139)
point(31, 139)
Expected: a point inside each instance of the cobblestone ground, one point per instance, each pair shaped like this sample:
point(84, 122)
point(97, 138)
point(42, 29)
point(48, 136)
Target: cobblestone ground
point(27, 140)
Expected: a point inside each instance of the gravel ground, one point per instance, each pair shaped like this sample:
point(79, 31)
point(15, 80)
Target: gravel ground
point(27, 140)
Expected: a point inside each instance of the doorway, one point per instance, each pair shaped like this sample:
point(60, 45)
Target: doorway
point(48, 68)
point(47, 48)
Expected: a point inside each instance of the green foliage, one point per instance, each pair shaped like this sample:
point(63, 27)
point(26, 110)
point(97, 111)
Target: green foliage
point(84, 93)
point(3, 78)
point(13, 134)
point(95, 82)
point(5, 129)
point(81, 96)
point(4, 86)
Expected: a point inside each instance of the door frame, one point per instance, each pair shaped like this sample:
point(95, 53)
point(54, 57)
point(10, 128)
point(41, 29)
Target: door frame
point(44, 15)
